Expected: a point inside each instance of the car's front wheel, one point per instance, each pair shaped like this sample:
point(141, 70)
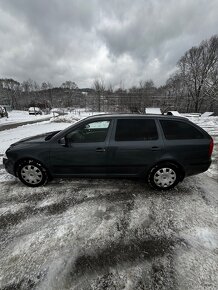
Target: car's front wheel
point(164, 176)
point(32, 173)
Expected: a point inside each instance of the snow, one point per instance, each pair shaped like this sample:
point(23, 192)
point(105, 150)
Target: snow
point(4, 176)
point(47, 202)
point(153, 111)
point(174, 113)
point(12, 208)
point(10, 136)
point(87, 233)
point(69, 118)
point(16, 116)
point(203, 238)
point(207, 114)
point(209, 124)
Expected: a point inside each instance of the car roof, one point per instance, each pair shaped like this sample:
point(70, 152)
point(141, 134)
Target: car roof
point(114, 116)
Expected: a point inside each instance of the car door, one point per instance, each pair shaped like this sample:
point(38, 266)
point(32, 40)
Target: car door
point(83, 150)
point(135, 145)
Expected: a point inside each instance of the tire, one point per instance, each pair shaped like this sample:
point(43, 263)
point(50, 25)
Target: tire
point(164, 176)
point(32, 173)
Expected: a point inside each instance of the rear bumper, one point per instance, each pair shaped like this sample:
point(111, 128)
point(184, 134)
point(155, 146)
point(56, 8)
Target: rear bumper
point(9, 166)
point(196, 168)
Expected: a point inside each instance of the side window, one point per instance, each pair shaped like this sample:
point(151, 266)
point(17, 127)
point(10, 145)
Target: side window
point(136, 130)
point(90, 132)
point(175, 130)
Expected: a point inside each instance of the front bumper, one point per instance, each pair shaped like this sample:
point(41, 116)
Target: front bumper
point(9, 165)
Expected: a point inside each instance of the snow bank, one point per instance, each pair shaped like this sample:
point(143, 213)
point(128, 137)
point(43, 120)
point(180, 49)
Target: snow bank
point(209, 124)
point(69, 118)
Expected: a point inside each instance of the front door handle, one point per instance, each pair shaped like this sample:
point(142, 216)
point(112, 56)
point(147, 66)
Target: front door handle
point(155, 148)
point(100, 149)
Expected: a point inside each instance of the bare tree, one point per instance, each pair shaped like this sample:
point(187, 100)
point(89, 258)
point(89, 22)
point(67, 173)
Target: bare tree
point(49, 87)
point(110, 88)
point(44, 86)
point(175, 88)
point(69, 85)
point(147, 89)
point(12, 88)
point(99, 87)
point(198, 71)
point(27, 86)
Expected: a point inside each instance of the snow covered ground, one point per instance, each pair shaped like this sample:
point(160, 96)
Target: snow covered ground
point(209, 124)
point(16, 116)
point(107, 233)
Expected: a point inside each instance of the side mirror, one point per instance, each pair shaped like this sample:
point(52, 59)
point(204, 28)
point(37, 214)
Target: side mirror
point(62, 141)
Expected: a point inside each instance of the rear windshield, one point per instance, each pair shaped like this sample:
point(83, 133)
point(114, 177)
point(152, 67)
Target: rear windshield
point(136, 130)
point(174, 130)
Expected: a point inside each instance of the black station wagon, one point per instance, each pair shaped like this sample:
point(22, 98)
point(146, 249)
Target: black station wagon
point(161, 149)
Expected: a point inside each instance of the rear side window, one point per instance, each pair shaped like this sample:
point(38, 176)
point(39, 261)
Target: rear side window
point(175, 130)
point(136, 130)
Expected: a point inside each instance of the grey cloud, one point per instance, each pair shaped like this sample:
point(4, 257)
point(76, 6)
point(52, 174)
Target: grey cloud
point(149, 24)
point(117, 40)
point(56, 22)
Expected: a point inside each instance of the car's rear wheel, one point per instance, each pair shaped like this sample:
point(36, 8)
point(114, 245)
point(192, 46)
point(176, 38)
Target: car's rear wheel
point(164, 176)
point(32, 173)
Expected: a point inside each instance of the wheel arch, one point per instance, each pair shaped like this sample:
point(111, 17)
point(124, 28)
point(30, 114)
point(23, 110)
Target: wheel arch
point(171, 161)
point(23, 159)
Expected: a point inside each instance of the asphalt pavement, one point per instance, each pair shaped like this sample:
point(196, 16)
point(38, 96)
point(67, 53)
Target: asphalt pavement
point(12, 125)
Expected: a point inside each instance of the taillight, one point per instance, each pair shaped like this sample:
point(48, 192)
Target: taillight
point(211, 147)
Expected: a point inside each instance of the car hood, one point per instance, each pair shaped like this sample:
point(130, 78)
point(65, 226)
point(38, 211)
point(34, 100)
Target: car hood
point(37, 138)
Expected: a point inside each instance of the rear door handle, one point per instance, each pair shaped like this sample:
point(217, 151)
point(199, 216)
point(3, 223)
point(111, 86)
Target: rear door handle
point(155, 148)
point(100, 149)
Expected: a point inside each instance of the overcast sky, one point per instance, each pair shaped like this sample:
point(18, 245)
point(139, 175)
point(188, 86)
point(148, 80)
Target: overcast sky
point(120, 41)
